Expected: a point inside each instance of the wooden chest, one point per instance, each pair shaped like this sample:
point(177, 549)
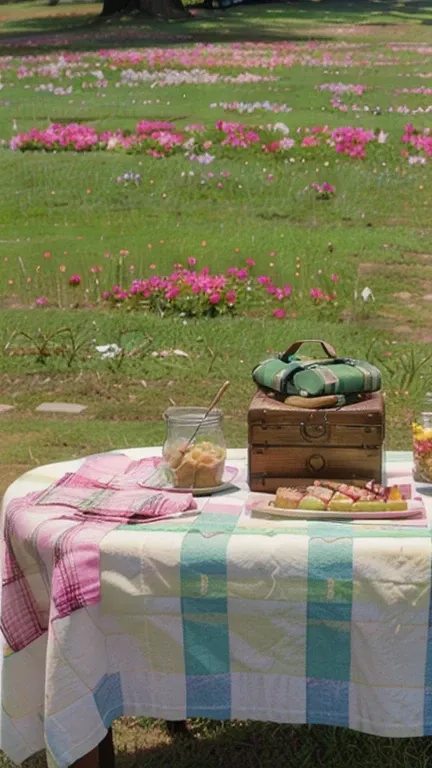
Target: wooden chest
point(288, 446)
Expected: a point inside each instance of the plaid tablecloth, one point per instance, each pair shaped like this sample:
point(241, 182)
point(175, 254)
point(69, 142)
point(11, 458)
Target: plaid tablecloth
point(226, 616)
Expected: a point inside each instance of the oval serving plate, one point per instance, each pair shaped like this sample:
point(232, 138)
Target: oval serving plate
point(415, 509)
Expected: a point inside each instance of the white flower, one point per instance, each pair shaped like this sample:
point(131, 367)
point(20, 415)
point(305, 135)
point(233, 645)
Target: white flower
point(382, 137)
point(282, 128)
point(367, 294)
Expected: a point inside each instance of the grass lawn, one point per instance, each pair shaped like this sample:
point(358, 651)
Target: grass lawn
point(74, 214)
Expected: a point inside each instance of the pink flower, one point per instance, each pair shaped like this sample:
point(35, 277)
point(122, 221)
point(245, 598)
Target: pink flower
point(250, 262)
point(41, 301)
point(316, 293)
point(335, 278)
point(242, 274)
point(230, 297)
point(326, 187)
point(74, 280)
point(214, 298)
point(263, 280)
point(192, 261)
point(279, 313)
point(172, 292)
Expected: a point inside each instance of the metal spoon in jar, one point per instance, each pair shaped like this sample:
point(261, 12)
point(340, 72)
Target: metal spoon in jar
point(213, 403)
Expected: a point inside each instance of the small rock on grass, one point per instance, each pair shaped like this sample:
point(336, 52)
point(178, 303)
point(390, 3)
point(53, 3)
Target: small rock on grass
point(6, 408)
point(71, 409)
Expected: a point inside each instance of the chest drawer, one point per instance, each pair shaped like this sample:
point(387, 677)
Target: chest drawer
point(304, 433)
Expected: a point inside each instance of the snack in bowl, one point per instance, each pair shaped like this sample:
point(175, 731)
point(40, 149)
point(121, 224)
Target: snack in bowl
point(339, 497)
point(200, 465)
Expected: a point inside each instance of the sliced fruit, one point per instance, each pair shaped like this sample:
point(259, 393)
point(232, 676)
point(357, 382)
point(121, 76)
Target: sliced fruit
point(394, 494)
point(342, 497)
point(369, 506)
point(311, 502)
point(340, 506)
point(397, 506)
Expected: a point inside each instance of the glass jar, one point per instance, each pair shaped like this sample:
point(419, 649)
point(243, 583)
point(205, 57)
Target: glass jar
point(201, 463)
point(422, 443)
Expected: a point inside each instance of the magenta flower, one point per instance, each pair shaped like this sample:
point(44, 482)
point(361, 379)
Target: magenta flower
point(250, 262)
point(74, 280)
point(263, 280)
point(335, 278)
point(230, 297)
point(324, 191)
point(279, 313)
point(41, 301)
point(192, 261)
point(316, 293)
point(214, 298)
point(172, 292)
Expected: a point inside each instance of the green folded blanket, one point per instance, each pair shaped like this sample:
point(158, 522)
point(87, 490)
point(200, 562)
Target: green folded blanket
point(291, 375)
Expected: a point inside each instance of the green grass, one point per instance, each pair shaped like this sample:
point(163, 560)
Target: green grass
point(376, 232)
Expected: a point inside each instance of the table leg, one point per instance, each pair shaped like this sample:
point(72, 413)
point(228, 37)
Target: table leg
point(100, 757)
point(89, 761)
point(106, 751)
point(177, 728)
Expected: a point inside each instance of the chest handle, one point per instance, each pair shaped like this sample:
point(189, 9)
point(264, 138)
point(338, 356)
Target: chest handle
point(315, 463)
point(311, 432)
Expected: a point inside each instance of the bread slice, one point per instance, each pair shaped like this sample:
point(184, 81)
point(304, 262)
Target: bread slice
point(325, 494)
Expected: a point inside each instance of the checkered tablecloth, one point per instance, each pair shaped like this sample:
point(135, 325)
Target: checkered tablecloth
point(227, 616)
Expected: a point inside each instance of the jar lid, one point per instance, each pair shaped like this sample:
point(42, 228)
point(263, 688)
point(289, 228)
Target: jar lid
point(193, 416)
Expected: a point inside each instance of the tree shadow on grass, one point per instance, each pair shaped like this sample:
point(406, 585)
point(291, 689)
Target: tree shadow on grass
point(256, 23)
point(249, 22)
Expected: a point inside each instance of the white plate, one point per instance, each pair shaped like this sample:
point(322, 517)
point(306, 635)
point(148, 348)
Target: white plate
point(229, 475)
point(415, 509)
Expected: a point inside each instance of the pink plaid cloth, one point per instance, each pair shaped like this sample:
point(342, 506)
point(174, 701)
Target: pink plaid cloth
point(53, 538)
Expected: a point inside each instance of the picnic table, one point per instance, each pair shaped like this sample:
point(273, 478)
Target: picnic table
point(221, 615)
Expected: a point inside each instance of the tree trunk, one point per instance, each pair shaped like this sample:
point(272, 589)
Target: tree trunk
point(165, 9)
point(111, 7)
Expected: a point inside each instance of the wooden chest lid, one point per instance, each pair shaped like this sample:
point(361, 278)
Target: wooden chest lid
point(268, 407)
